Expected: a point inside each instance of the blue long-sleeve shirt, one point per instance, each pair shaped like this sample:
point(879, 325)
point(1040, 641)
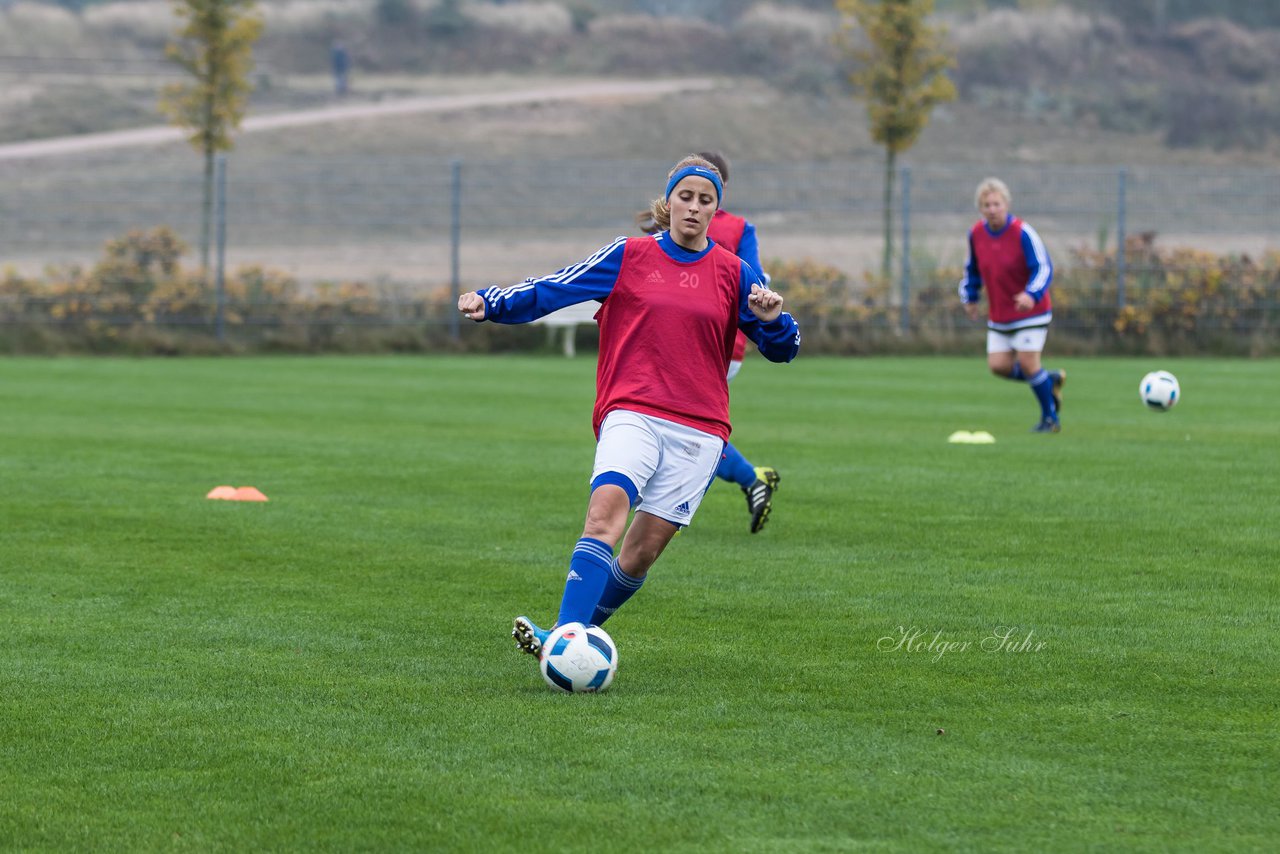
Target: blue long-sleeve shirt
point(667, 325)
point(1007, 262)
point(594, 278)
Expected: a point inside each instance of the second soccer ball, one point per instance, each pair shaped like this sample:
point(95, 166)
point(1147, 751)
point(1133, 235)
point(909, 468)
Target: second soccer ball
point(1159, 390)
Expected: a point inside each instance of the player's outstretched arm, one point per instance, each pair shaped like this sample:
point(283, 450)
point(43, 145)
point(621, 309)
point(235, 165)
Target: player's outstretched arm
point(471, 304)
point(591, 279)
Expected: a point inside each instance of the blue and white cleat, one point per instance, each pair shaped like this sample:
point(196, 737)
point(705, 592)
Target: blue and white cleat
point(529, 638)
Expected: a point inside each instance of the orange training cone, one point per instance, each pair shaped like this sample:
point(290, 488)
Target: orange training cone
point(230, 493)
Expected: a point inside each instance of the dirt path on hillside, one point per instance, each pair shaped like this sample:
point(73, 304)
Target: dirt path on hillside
point(567, 91)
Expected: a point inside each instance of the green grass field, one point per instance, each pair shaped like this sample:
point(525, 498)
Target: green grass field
point(332, 670)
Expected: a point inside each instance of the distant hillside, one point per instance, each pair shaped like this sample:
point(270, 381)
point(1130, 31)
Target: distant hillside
point(1203, 83)
point(1195, 84)
point(1146, 14)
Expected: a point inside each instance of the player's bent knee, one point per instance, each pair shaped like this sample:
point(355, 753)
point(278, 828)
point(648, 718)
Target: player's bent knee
point(607, 512)
point(618, 479)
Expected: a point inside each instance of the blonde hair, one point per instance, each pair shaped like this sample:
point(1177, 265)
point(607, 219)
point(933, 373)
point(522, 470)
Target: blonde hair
point(658, 210)
point(991, 185)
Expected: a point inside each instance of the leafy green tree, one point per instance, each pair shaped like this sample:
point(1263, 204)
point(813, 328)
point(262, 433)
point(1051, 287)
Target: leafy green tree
point(902, 77)
point(215, 47)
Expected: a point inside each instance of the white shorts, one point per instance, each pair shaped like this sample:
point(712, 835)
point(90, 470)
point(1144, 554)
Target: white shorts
point(734, 367)
point(1018, 340)
point(670, 464)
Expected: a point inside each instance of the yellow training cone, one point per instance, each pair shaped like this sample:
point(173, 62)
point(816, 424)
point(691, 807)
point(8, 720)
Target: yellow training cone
point(977, 437)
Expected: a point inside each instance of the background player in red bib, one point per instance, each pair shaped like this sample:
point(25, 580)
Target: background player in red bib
point(736, 234)
point(671, 306)
point(1008, 256)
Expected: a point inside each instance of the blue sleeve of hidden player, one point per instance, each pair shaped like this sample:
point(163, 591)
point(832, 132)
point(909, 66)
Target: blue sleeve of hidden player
point(749, 250)
point(779, 339)
point(971, 284)
point(590, 279)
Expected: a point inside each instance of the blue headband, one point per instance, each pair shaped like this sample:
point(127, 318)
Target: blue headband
point(701, 172)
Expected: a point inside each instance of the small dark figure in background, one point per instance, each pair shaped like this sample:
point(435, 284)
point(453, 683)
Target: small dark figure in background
point(341, 63)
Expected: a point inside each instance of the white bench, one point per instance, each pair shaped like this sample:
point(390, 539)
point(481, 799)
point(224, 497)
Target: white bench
point(568, 319)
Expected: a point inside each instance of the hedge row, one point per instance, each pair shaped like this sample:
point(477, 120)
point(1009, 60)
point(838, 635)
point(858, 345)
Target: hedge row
point(140, 299)
point(1160, 302)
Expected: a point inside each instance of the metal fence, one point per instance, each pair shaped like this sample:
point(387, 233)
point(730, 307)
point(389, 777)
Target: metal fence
point(429, 224)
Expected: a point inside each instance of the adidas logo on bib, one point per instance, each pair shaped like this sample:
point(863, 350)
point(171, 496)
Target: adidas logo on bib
point(654, 278)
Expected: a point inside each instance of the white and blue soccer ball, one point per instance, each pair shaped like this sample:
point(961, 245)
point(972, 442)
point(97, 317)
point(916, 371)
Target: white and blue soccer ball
point(578, 659)
point(1159, 390)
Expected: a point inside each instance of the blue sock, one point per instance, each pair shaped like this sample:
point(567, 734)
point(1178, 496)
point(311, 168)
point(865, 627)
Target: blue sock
point(1017, 375)
point(1042, 385)
point(588, 572)
point(618, 589)
point(735, 468)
